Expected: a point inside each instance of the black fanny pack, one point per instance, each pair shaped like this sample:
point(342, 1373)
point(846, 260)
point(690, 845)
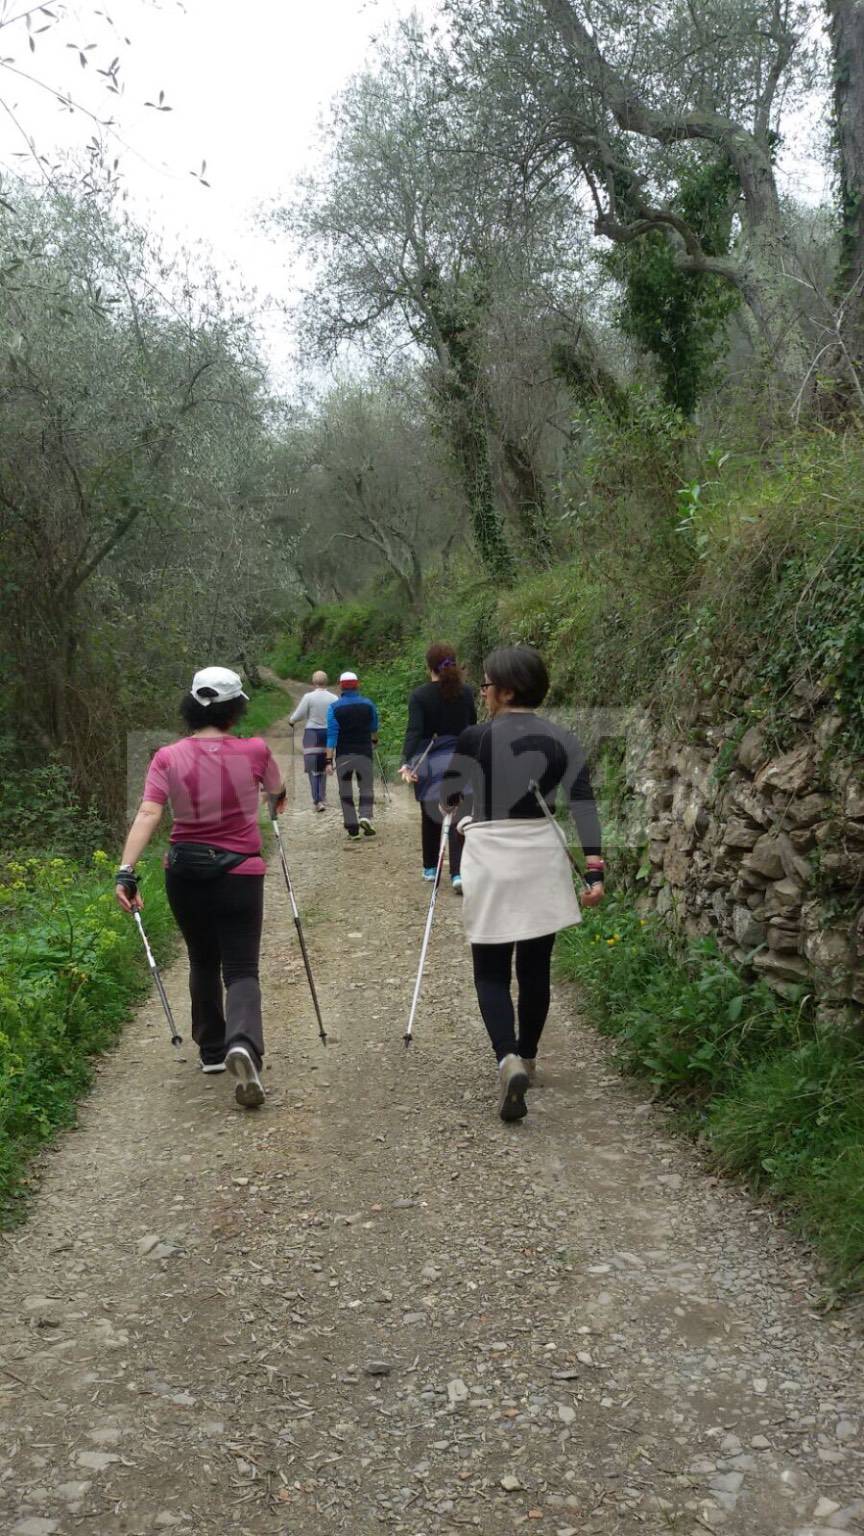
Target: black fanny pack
point(198, 861)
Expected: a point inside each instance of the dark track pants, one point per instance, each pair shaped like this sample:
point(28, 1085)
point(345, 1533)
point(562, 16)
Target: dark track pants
point(492, 974)
point(355, 765)
point(220, 921)
point(430, 832)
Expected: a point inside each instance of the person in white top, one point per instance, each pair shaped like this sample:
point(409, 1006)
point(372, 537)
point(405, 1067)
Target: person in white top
point(312, 709)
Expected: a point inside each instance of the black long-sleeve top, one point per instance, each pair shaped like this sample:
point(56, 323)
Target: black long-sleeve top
point(431, 714)
point(494, 762)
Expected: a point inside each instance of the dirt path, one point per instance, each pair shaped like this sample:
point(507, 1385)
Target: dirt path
point(372, 1306)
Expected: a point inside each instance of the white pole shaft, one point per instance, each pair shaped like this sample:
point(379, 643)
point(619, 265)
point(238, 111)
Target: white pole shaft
point(140, 926)
point(445, 830)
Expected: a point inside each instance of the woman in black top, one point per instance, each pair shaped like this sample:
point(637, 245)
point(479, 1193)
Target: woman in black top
point(518, 882)
point(438, 712)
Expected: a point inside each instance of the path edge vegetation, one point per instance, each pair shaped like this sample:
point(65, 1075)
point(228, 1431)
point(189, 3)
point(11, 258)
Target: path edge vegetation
point(772, 1094)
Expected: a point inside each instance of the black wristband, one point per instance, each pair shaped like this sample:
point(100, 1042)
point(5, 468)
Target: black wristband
point(593, 877)
point(128, 880)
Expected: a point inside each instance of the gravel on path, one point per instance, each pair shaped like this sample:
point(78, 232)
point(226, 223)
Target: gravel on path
point(373, 1307)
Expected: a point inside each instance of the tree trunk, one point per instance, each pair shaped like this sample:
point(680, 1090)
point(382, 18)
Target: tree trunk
point(846, 19)
point(250, 667)
point(530, 500)
point(472, 451)
point(453, 324)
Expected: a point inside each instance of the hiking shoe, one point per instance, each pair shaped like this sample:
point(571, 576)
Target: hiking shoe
point(368, 829)
point(213, 1066)
point(429, 874)
point(530, 1065)
point(456, 882)
point(248, 1092)
point(353, 833)
point(512, 1087)
point(320, 806)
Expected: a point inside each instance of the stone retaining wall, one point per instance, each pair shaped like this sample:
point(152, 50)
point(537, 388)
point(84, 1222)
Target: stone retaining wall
point(765, 851)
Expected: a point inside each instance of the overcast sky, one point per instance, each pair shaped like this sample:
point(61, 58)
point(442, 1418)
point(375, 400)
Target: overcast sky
point(247, 84)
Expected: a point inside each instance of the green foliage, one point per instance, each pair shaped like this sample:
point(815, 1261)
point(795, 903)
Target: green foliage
point(781, 585)
point(337, 636)
point(637, 463)
point(795, 1125)
point(266, 706)
point(825, 643)
point(689, 1021)
point(777, 1100)
point(740, 567)
point(681, 317)
point(286, 657)
point(389, 684)
point(39, 806)
point(71, 967)
point(139, 487)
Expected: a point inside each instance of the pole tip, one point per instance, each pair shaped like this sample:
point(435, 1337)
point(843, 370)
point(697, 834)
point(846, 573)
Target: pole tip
point(176, 1039)
point(407, 1039)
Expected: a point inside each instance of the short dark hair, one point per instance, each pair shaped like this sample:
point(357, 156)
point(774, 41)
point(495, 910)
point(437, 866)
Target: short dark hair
point(223, 714)
point(521, 669)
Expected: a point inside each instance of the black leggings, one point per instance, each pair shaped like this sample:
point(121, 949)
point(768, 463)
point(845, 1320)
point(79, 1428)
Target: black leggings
point(492, 970)
point(221, 922)
point(430, 828)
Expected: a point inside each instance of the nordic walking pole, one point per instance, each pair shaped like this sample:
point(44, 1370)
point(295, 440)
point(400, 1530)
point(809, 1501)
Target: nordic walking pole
point(445, 830)
point(297, 923)
point(535, 790)
point(176, 1039)
point(415, 767)
point(384, 782)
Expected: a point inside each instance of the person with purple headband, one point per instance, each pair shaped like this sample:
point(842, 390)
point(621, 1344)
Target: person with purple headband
point(438, 712)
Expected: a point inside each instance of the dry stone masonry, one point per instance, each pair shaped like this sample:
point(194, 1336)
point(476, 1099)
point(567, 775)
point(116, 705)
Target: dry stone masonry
point(764, 850)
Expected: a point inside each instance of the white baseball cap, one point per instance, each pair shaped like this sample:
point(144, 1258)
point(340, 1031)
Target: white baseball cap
point(349, 679)
point(216, 685)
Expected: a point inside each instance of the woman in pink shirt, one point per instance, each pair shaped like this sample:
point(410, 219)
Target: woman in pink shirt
point(214, 873)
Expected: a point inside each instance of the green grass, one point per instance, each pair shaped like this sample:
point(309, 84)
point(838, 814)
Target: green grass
point(389, 685)
point(266, 706)
point(778, 1100)
point(71, 970)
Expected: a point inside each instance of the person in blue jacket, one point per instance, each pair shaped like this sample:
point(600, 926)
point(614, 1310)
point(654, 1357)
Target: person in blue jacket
point(352, 734)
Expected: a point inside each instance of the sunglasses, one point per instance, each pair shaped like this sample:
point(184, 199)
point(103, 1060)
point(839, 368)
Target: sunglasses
point(484, 686)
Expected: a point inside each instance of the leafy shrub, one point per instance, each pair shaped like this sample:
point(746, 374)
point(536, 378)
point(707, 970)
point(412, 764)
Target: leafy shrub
point(336, 636)
point(39, 807)
point(286, 658)
point(71, 966)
